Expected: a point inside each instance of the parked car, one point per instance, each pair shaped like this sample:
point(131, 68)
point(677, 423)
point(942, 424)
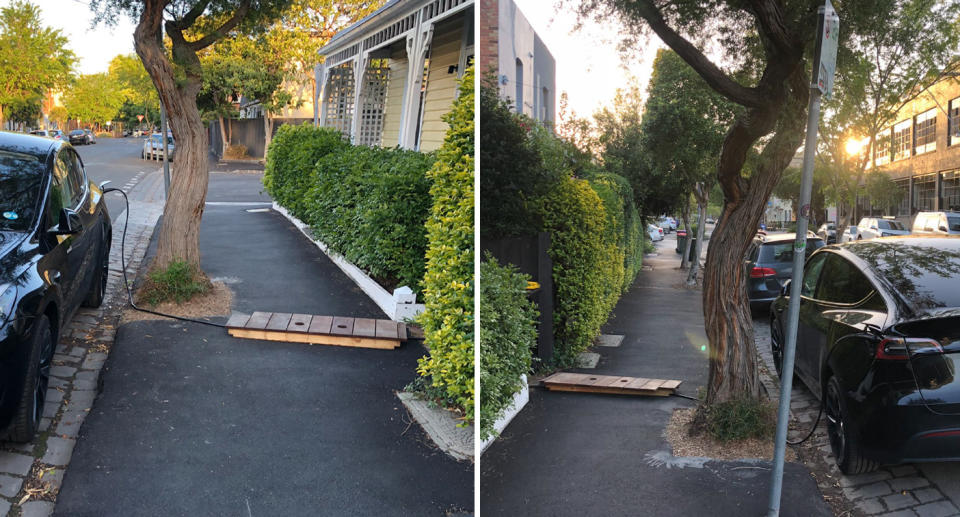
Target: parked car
point(655, 232)
point(153, 147)
point(851, 234)
point(769, 264)
point(57, 134)
point(937, 223)
point(668, 224)
point(55, 236)
point(828, 232)
point(873, 227)
point(91, 138)
point(40, 132)
point(78, 136)
point(879, 343)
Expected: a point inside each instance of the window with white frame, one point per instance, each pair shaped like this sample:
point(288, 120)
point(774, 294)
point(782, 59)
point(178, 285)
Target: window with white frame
point(953, 122)
point(901, 139)
point(882, 143)
point(925, 132)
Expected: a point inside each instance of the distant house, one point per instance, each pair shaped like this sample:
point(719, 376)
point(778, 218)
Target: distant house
point(388, 79)
point(524, 67)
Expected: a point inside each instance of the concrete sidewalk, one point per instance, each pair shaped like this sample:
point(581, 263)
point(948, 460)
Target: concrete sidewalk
point(194, 422)
point(585, 454)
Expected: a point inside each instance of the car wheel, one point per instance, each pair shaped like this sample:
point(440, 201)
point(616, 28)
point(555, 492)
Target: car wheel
point(98, 289)
point(843, 434)
point(776, 347)
point(26, 420)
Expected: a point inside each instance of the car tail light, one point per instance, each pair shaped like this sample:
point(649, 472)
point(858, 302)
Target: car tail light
point(898, 348)
point(762, 272)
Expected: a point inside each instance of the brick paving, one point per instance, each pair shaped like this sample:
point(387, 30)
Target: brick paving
point(891, 491)
point(30, 474)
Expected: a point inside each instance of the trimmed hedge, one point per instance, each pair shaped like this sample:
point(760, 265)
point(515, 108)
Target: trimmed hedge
point(508, 333)
point(624, 225)
point(367, 204)
point(448, 286)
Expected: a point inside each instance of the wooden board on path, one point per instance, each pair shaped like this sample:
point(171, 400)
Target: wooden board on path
point(318, 330)
point(612, 384)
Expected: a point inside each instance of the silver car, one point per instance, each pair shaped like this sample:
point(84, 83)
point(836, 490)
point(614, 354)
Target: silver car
point(873, 227)
point(153, 147)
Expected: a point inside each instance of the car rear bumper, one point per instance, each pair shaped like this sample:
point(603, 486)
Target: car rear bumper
point(911, 433)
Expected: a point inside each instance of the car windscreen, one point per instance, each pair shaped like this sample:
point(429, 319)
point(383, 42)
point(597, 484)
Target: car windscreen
point(782, 252)
point(76, 132)
point(21, 179)
point(954, 222)
point(926, 276)
point(890, 225)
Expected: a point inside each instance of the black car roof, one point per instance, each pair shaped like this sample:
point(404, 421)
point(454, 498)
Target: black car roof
point(38, 146)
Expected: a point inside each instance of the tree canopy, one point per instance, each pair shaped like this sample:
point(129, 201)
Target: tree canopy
point(94, 98)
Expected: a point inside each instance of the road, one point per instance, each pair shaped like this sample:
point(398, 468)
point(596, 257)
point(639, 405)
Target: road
point(117, 160)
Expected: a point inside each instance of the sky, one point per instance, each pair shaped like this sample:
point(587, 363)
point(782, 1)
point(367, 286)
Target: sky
point(94, 47)
point(589, 66)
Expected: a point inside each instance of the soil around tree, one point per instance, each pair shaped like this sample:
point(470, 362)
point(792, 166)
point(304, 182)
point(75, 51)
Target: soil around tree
point(215, 302)
point(702, 445)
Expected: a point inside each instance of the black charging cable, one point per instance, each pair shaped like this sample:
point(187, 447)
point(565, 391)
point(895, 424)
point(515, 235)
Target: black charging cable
point(123, 264)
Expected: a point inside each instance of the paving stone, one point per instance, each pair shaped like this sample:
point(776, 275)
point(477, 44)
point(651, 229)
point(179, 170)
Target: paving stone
point(64, 358)
point(609, 340)
point(62, 371)
point(58, 383)
point(4, 507)
point(50, 409)
point(925, 495)
point(54, 396)
point(44, 424)
point(588, 360)
point(908, 483)
point(77, 352)
point(94, 361)
point(37, 509)
point(70, 423)
point(9, 485)
point(900, 513)
point(938, 509)
point(13, 463)
point(870, 506)
point(82, 399)
point(898, 501)
point(903, 470)
point(59, 451)
point(87, 375)
point(85, 384)
point(871, 490)
point(52, 478)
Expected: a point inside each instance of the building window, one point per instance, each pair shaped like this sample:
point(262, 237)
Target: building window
point(925, 132)
point(544, 95)
point(904, 207)
point(901, 139)
point(882, 143)
point(924, 192)
point(953, 122)
point(951, 191)
point(519, 88)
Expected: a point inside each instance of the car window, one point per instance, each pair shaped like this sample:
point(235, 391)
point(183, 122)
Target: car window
point(21, 182)
point(842, 282)
point(69, 189)
point(953, 222)
point(77, 176)
point(782, 252)
point(811, 272)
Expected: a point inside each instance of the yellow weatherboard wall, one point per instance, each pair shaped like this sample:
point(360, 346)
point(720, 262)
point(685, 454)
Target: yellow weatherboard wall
point(394, 104)
point(441, 85)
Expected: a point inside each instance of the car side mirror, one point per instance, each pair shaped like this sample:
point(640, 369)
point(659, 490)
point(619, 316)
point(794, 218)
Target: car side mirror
point(69, 223)
point(785, 290)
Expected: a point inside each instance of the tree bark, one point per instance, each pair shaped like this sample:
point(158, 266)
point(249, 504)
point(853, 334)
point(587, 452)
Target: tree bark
point(223, 137)
point(268, 130)
point(685, 260)
point(184, 206)
point(703, 198)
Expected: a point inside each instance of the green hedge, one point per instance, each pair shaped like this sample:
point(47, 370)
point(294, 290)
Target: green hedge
point(367, 204)
point(588, 271)
point(624, 225)
point(508, 333)
point(448, 285)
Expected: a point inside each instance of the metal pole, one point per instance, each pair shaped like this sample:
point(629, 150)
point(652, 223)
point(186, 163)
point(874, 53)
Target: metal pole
point(163, 131)
point(793, 312)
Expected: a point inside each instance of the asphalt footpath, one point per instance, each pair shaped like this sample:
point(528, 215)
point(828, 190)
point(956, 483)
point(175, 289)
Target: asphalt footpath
point(192, 421)
point(590, 454)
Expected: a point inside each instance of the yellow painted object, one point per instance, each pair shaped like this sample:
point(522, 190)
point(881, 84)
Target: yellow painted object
point(533, 285)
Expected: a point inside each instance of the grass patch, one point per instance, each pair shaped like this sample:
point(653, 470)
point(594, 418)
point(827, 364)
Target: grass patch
point(737, 420)
point(178, 283)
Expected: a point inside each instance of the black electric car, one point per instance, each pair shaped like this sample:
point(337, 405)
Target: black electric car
point(878, 341)
point(55, 238)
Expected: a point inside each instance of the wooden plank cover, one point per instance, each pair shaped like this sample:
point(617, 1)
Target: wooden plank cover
point(612, 384)
point(342, 326)
point(299, 323)
point(238, 320)
point(279, 321)
point(258, 320)
point(321, 324)
point(365, 327)
point(315, 339)
point(388, 329)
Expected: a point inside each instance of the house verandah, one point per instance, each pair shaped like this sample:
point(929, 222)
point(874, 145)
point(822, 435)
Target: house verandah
point(388, 79)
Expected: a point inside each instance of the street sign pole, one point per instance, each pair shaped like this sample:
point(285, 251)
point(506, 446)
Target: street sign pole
point(163, 132)
point(824, 64)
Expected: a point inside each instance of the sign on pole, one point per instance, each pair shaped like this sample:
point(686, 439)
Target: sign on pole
point(139, 118)
point(824, 64)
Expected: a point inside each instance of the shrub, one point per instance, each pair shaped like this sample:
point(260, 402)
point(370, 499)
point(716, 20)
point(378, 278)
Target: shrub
point(624, 228)
point(367, 204)
point(508, 333)
point(178, 282)
point(236, 151)
point(587, 271)
point(448, 285)
point(740, 419)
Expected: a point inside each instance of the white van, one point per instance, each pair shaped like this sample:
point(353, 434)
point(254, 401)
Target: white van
point(937, 223)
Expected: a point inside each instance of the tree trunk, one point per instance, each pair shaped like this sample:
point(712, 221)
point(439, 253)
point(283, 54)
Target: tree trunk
point(184, 206)
point(268, 129)
point(703, 197)
point(685, 259)
point(223, 138)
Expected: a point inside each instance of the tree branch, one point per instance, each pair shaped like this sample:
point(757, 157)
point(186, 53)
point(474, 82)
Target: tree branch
point(714, 77)
point(224, 29)
point(770, 19)
point(187, 20)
